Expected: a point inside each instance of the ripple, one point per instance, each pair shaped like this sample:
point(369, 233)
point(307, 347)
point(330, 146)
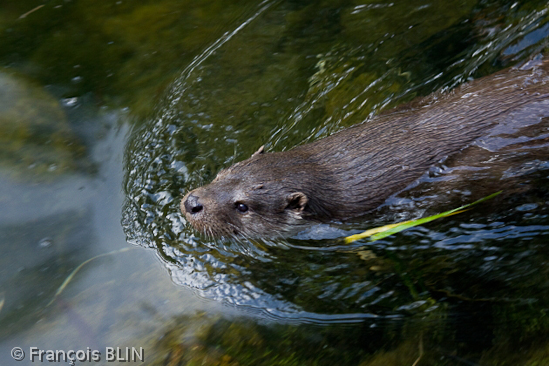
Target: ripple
point(208, 121)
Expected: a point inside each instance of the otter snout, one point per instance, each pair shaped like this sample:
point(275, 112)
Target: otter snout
point(192, 204)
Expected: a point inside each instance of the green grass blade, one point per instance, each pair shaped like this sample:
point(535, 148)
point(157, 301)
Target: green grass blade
point(384, 231)
point(75, 271)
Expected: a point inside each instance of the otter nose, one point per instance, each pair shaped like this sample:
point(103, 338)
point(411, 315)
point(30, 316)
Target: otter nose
point(192, 205)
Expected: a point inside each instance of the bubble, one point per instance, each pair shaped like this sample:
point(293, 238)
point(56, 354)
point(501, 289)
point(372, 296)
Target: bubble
point(45, 242)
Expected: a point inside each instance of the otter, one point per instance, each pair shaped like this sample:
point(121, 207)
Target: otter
point(351, 172)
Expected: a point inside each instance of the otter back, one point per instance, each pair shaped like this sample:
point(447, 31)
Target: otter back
point(352, 172)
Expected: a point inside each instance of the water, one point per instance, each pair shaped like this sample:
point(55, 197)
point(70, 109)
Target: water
point(152, 99)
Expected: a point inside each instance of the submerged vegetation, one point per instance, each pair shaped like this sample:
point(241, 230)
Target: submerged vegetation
point(206, 340)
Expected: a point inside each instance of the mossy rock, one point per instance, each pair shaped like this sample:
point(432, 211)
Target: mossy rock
point(35, 135)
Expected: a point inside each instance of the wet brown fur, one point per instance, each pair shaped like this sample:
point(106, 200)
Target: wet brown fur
point(352, 172)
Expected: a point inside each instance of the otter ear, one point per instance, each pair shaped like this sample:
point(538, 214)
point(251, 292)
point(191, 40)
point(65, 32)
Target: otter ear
point(260, 151)
point(296, 201)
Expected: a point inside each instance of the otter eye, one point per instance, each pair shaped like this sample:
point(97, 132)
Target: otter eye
point(241, 207)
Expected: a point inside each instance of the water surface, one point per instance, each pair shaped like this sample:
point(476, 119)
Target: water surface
point(122, 108)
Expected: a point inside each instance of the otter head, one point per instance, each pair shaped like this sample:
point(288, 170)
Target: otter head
point(257, 197)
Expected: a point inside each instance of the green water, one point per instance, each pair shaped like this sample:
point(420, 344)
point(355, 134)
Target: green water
point(111, 111)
